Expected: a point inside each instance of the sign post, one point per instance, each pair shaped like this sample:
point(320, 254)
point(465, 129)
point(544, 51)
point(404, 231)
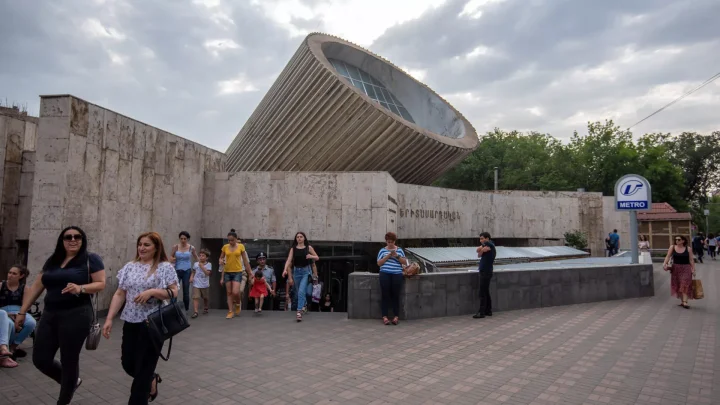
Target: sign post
point(633, 194)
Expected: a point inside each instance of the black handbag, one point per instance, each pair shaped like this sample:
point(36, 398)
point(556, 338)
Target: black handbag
point(166, 322)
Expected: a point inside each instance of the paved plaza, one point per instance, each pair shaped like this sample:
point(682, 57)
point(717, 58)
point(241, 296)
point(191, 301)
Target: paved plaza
point(639, 351)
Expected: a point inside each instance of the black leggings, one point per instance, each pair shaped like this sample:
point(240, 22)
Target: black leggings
point(139, 359)
point(63, 330)
point(391, 287)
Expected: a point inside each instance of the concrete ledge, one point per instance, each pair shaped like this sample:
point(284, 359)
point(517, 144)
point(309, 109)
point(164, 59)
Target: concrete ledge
point(451, 294)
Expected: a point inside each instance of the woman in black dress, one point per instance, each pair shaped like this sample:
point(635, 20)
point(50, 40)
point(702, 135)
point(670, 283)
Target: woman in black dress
point(69, 275)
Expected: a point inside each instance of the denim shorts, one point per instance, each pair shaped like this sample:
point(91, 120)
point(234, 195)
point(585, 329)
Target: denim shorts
point(237, 277)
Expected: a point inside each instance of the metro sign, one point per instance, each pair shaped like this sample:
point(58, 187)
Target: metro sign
point(632, 193)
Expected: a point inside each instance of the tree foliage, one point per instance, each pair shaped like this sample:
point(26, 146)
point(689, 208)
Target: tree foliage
point(683, 170)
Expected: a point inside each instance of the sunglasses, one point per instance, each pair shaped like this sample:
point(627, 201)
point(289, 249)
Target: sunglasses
point(677, 239)
point(71, 237)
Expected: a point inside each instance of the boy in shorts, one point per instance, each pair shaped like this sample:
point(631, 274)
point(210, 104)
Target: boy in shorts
point(200, 280)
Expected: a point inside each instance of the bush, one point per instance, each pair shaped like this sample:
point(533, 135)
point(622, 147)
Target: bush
point(576, 239)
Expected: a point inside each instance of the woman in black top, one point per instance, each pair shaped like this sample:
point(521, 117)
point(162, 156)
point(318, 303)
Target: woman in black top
point(681, 271)
point(326, 304)
point(298, 268)
point(68, 313)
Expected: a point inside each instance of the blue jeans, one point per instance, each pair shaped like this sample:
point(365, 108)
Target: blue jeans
point(184, 279)
point(300, 279)
point(8, 336)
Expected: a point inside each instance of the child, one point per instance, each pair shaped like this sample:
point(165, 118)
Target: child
point(259, 290)
point(201, 282)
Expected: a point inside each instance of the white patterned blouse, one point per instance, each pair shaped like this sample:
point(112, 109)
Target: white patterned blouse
point(133, 279)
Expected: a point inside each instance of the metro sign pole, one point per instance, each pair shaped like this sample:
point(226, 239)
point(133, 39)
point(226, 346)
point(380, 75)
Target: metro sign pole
point(633, 194)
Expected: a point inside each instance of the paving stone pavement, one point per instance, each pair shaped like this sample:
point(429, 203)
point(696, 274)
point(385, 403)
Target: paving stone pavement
point(638, 351)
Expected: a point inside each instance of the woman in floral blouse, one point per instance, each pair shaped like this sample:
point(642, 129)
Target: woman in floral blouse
point(141, 286)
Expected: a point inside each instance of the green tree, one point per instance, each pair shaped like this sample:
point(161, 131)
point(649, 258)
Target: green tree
point(601, 157)
point(525, 162)
point(699, 157)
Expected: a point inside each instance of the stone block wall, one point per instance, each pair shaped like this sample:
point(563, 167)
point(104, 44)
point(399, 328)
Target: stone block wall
point(432, 212)
point(452, 294)
point(17, 140)
point(115, 178)
point(327, 206)
point(613, 219)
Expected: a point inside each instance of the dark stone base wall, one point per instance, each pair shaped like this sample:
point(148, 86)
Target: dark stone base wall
point(451, 294)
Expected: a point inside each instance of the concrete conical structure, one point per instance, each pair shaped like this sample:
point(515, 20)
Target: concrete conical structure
point(338, 107)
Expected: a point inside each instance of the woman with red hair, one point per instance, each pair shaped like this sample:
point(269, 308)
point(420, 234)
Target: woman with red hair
point(142, 284)
point(391, 260)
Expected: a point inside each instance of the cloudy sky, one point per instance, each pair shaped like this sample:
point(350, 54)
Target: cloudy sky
point(198, 68)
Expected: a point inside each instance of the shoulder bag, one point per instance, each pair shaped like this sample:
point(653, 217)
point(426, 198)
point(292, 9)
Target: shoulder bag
point(166, 322)
point(93, 340)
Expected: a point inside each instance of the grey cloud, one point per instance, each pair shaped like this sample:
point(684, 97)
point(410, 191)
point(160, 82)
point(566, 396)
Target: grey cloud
point(44, 50)
point(552, 40)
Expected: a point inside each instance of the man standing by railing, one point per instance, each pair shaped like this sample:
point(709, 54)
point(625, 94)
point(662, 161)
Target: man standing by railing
point(486, 252)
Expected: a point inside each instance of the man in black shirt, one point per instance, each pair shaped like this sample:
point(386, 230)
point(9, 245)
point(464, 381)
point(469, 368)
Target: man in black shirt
point(486, 252)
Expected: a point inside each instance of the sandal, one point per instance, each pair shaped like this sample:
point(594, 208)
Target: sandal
point(386, 321)
point(205, 311)
point(299, 316)
point(8, 363)
point(395, 321)
point(158, 380)
point(194, 315)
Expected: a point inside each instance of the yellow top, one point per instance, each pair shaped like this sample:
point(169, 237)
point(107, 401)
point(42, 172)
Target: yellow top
point(233, 258)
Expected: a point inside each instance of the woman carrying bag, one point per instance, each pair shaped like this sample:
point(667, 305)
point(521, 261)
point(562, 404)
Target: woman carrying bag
point(142, 285)
point(70, 275)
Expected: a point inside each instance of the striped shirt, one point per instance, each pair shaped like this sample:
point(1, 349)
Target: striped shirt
point(393, 265)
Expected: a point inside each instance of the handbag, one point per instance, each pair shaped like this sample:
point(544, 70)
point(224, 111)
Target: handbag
point(93, 339)
point(412, 269)
point(166, 322)
point(697, 287)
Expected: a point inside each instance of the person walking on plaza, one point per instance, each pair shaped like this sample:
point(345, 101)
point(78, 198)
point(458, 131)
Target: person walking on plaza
point(698, 246)
point(486, 252)
point(299, 267)
point(142, 285)
point(12, 292)
point(681, 270)
point(269, 274)
point(391, 260)
point(643, 243)
point(182, 257)
point(200, 280)
point(614, 242)
point(69, 276)
point(234, 258)
point(712, 245)
point(259, 290)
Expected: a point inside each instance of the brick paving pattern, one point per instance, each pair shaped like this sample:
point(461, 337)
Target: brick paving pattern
point(639, 351)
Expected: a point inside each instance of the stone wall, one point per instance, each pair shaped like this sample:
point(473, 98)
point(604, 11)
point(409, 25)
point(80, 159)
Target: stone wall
point(17, 140)
point(115, 178)
point(613, 219)
point(452, 294)
point(431, 212)
point(328, 206)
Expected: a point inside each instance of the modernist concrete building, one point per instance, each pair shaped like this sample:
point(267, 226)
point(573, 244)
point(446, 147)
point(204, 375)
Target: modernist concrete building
point(338, 107)
point(346, 167)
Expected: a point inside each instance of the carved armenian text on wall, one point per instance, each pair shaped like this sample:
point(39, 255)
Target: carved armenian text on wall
point(429, 214)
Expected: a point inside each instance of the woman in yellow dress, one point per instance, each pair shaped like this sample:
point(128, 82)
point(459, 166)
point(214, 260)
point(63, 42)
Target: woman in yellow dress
point(234, 257)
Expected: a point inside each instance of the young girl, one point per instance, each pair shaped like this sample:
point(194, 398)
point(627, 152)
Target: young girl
point(259, 291)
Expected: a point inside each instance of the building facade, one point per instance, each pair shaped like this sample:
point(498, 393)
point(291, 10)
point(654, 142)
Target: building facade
point(338, 107)
point(349, 145)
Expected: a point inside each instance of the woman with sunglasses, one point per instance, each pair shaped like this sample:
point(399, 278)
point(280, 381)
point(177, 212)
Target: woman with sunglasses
point(70, 275)
point(681, 271)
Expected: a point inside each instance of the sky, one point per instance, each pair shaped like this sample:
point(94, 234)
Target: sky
point(198, 68)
